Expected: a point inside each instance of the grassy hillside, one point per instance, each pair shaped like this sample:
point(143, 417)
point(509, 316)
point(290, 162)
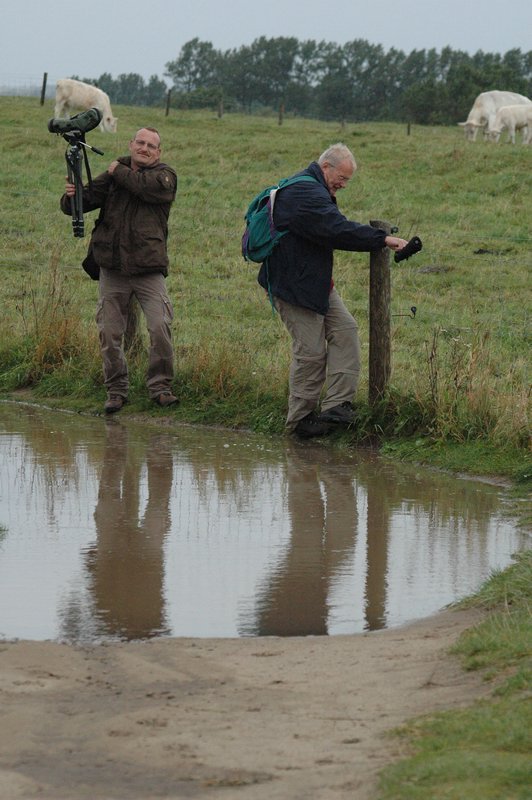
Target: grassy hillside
point(459, 367)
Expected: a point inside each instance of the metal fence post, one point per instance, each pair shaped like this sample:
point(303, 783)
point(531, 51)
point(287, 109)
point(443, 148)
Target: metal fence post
point(379, 319)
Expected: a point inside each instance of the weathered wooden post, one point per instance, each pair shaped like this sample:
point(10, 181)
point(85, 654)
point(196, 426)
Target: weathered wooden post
point(168, 95)
point(43, 87)
point(281, 114)
point(380, 362)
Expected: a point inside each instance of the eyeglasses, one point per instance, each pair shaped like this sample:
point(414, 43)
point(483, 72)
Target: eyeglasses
point(343, 178)
point(148, 145)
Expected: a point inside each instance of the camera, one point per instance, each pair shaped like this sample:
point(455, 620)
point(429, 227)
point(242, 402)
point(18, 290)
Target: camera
point(79, 124)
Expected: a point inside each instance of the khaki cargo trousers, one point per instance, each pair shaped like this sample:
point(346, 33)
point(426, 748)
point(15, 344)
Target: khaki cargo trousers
point(325, 351)
point(115, 292)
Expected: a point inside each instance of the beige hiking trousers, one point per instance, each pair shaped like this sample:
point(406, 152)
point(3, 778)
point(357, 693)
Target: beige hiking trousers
point(325, 351)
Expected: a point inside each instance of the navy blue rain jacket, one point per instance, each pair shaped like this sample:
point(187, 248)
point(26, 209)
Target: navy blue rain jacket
point(299, 270)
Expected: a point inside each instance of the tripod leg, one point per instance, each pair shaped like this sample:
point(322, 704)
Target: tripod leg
point(73, 159)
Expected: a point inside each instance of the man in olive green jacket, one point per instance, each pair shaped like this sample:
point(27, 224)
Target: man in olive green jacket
point(129, 245)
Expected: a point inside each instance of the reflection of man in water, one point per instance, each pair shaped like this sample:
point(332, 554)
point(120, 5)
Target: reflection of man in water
point(323, 513)
point(126, 564)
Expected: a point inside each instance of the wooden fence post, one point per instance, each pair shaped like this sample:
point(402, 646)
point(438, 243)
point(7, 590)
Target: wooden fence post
point(379, 319)
point(168, 95)
point(43, 88)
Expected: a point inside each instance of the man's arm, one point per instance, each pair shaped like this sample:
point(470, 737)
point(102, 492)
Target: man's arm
point(92, 198)
point(150, 185)
point(314, 216)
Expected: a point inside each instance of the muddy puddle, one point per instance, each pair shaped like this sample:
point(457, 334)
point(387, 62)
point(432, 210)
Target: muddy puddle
point(114, 530)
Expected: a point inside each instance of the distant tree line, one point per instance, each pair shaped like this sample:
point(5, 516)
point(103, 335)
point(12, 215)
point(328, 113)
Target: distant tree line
point(354, 82)
point(130, 89)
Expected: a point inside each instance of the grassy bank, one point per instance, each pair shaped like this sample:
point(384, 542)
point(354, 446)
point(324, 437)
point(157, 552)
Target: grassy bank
point(481, 752)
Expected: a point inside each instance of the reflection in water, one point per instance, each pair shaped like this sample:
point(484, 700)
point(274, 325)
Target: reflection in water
point(126, 565)
point(377, 538)
point(321, 507)
point(123, 531)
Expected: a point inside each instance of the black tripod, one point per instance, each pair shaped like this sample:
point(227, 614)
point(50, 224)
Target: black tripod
point(75, 153)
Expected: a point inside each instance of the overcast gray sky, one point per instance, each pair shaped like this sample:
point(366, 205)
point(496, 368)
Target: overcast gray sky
point(65, 37)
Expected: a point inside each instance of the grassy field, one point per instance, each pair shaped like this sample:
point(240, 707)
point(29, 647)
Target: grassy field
point(460, 391)
point(459, 367)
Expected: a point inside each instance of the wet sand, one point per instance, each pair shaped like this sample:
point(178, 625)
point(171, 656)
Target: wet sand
point(254, 718)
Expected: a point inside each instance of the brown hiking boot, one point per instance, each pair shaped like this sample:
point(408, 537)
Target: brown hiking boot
point(166, 399)
point(114, 403)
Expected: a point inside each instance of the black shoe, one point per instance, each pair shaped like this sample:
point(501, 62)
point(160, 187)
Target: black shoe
point(342, 414)
point(311, 425)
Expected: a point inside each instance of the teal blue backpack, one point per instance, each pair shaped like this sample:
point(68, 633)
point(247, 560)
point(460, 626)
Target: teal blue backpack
point(261, 235)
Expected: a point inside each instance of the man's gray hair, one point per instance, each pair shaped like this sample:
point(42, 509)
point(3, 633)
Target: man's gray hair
point(335, 154)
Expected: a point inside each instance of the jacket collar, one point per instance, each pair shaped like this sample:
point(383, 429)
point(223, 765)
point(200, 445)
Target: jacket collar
point(314, 169)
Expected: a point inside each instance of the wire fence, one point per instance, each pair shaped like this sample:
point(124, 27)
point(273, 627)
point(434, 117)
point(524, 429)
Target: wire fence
point(16, 84)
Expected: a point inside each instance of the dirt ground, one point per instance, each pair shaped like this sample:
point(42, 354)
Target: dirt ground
point(250, 719)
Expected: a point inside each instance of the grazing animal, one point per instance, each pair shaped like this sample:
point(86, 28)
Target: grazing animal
point(484, 109)
point(512, 119)
point(71, 94)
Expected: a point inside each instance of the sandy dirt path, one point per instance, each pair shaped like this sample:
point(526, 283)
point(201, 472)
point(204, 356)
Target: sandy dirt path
point(256, 719)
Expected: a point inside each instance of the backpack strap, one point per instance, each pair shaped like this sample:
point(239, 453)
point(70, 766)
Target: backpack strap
point(288, 182)
point(273, 194)
point(296, 179)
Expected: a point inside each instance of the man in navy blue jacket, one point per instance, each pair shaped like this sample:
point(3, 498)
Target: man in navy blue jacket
point(298, 275)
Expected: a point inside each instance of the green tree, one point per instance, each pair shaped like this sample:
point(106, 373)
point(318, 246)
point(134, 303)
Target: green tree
point(129, 89)
point(197, 67)
point(273, 62)
point(106, 83)
point(307, 72)
point(464, 82)
point(238, 77)
point(155, 92)
point(334, 93)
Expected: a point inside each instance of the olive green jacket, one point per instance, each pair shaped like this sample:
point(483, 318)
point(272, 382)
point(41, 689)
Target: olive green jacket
point(132, 229)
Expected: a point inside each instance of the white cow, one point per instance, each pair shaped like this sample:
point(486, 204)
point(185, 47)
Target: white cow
point(512, 119)
point(70, 94)
point(484, 109)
